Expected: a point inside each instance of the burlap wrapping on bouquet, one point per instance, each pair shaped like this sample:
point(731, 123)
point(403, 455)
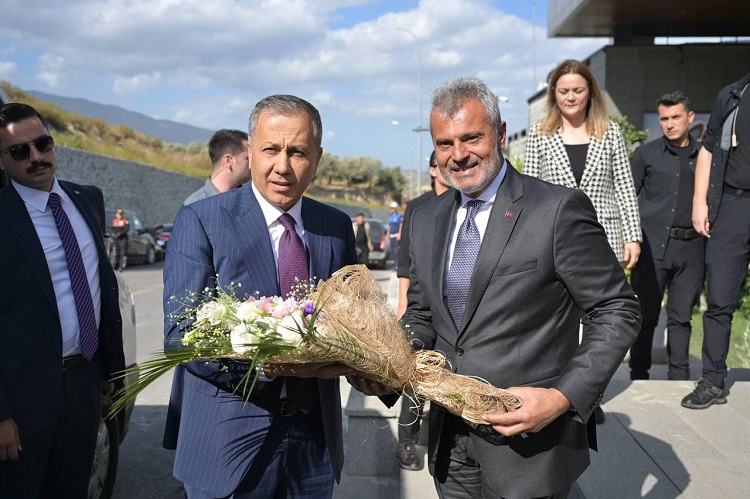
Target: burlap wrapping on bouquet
point(357, 326)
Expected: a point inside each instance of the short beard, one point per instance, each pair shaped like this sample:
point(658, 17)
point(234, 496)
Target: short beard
point(483, 182)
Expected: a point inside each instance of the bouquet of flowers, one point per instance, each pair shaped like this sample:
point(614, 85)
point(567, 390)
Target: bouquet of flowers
point(345, 319)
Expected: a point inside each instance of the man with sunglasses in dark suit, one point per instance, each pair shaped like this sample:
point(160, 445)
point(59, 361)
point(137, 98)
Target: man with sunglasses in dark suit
point(60, 324)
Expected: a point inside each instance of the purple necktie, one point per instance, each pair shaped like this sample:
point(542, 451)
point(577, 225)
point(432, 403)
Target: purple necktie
point(78, 280)
point(462, 265)
point(301, 392)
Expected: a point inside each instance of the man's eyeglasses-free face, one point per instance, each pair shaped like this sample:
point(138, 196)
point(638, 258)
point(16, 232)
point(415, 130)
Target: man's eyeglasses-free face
point(21, 152)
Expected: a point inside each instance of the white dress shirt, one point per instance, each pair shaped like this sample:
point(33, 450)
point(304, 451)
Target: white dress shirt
point(271, 215)
point(46, 229)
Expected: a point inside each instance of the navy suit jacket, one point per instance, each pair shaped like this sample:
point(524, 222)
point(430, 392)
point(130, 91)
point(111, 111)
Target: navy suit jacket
point(217, 435)
point(31, 379)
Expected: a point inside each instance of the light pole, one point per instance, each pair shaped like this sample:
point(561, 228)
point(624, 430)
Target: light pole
point(419, 128)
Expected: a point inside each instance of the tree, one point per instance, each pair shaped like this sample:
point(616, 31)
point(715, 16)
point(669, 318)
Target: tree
point(392, 181)
point(633, 136)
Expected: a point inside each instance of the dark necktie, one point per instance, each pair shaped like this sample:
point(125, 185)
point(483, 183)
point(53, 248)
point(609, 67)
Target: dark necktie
point(462, 265)
point(78, 280)
point(301, 392)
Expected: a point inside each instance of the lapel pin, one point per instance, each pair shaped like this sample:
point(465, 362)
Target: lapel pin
point(508, 214)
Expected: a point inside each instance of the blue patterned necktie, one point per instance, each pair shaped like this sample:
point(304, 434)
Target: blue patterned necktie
point(301, 392)
point(78, 280)
point(462, 265)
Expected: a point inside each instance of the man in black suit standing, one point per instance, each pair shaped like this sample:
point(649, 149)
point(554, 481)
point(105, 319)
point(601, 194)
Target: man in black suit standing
point(60, 325)
point(501, 268)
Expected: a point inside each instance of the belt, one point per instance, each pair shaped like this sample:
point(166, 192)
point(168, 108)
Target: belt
point(683, 233)
point(733, 191)
point(287, 409)
point(71, 362)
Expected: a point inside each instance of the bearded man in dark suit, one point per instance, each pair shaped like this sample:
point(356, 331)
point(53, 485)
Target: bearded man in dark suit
point(508, 310)
point(60, 324)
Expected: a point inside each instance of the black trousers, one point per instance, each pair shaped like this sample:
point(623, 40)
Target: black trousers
point(56, 462)
point(121, 252)
point(682, 272)
point(363, 254)
point(727, 256)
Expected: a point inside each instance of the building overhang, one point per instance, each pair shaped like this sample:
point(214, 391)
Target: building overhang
point(648, 18)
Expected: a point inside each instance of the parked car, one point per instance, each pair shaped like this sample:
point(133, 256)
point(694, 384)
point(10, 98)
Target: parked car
point(380, 252)
point(142, 247)
point(161, 234)
point(112, 431)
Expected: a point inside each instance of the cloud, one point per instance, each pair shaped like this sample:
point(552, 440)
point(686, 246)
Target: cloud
point(207, 63)
point(8, 70)
point(135, 84)
point(51, 70)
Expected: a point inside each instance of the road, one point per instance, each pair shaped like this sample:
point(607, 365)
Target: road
point(145, 468)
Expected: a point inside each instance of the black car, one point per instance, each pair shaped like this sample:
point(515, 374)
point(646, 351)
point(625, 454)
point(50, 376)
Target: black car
point(142, 247)
point(161, 234)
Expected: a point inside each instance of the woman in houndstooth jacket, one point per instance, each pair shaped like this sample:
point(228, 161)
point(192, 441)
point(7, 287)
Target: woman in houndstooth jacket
point(578, 146)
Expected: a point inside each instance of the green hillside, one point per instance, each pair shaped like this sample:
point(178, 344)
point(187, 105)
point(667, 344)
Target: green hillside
point(95, 135)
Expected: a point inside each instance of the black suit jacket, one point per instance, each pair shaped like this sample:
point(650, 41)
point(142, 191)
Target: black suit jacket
point(31, 379)
point(544, 258)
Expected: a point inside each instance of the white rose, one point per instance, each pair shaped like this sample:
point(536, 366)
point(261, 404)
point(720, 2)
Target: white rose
point(242, 338)
point(214, 312)
point(247, 312)
point(289, 328)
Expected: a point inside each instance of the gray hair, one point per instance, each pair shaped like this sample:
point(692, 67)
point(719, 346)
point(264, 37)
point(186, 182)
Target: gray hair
point(286, 105)
point(450, 97)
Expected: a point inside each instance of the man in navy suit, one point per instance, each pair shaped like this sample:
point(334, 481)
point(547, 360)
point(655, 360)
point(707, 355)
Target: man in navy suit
point(265, 447)
point(50, 385)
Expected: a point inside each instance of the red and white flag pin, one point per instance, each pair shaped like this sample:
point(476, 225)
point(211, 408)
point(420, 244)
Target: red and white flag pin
point(508, 214)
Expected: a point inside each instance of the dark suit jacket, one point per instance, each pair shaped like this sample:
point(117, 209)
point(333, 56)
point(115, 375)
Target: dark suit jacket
point(544, 259)
point(31, 379)
point(226, 235)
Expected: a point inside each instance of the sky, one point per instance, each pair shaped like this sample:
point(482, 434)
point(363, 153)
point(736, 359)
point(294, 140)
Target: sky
point(367, 65)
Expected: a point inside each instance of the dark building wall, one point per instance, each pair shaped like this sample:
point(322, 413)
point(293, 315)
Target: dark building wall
point(636, 76)
point(154, 194)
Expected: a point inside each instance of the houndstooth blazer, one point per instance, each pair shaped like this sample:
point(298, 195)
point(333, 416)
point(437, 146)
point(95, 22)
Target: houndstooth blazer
point(607, 180)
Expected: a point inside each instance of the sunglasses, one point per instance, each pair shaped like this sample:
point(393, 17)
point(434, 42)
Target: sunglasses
point(21, 152)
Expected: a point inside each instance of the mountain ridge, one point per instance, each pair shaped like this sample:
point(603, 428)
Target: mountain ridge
point(166, 130)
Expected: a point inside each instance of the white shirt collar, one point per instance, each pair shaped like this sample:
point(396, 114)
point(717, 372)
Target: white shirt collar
point(488, 195)
point(36, 198)
point(272, 213)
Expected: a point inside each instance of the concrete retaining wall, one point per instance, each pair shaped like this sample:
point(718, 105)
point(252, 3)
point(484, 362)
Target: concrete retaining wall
point(154, 194)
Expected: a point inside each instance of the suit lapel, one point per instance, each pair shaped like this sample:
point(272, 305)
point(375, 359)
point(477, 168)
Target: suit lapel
point(593, 156)
point(87, 212)
point(445, 215)
point(506, 210)
point(318, 240)
point(245, 218)
point(562, 162)
point(20, 224)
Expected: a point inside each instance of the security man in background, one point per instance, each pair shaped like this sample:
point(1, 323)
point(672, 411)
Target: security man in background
point(672, 251)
